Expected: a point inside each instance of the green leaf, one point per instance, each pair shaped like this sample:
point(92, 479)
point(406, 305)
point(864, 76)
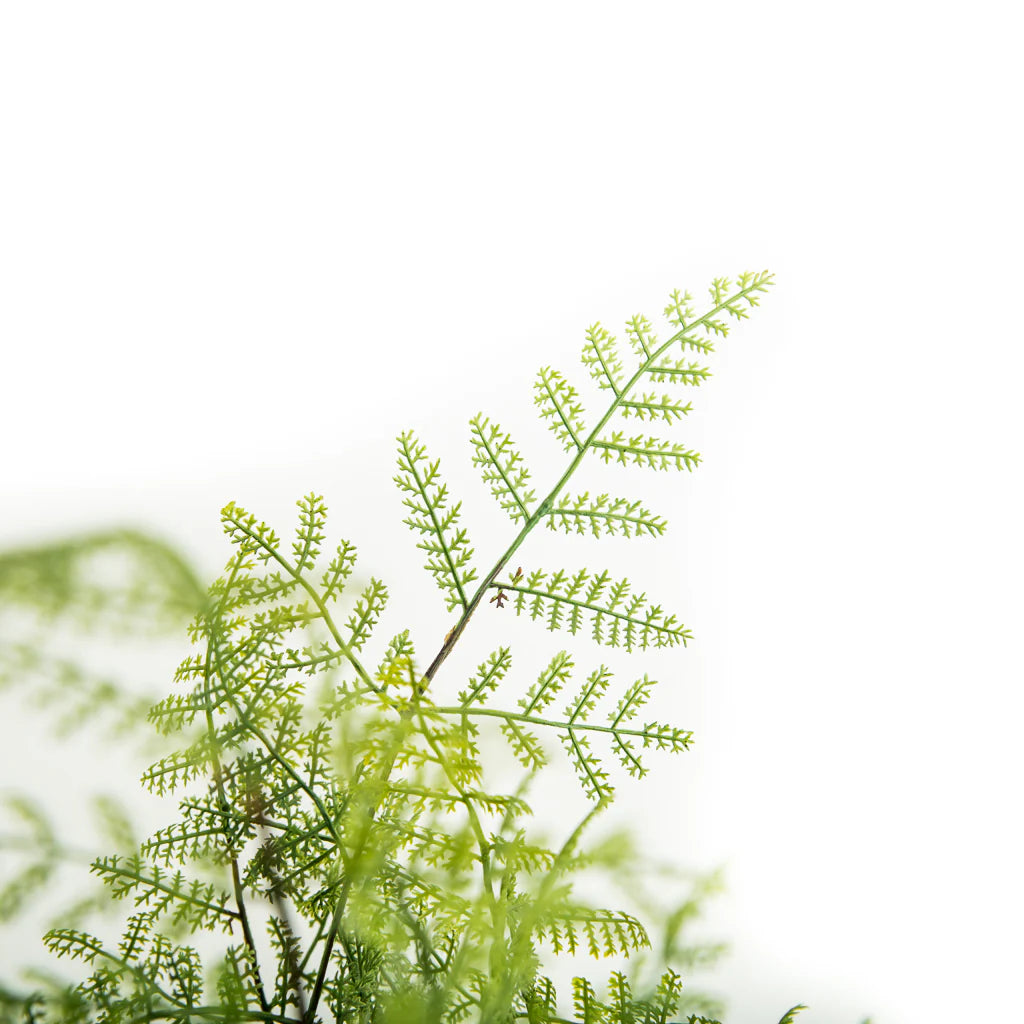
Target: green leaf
point(447, 547)
point(488, 675)
point(604, 515)
point(366, 613)
point(502, 467)
point(560, 405)
point(649, 451)
point(601, 357)
point(312, 521)
point(678, 371)
point(550, 681)
point(650, 406)
point(618, 620)
point(189, 901)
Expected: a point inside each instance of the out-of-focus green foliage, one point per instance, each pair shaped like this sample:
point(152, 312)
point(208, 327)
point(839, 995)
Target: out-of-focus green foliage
point(339, 850)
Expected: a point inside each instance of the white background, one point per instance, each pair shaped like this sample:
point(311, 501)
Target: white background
point(242, 245)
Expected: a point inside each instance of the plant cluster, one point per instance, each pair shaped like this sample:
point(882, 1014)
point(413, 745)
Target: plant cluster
point(338, 851)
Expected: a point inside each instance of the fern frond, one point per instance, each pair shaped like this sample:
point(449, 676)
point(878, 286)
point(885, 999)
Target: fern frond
point(585, 1003)
point(310, 535)
point(678, 371)
point(650, 406)
point(632, 700)
point(601, 358)
point(550, 681)
point(524, 745)
point(366, 613)
point(249, 534)
point(182, 968)
point(189, 901)
point(488, 675)
point(666, 997)
point(605, 932)
point(541, 1002)
point(502, 467)
point(559, 403)
point(679, 310)
point(649, 451)
point(333, 580)
point(447, 547)
point(602, 514)
point(73, 943)
point(592, 776)
point(621, 1009)
point(790, 1015)
point(617, 619)
point(593, 690)
point(641, 337)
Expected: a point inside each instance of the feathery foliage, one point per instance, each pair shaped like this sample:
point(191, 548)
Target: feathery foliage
point(337, 833)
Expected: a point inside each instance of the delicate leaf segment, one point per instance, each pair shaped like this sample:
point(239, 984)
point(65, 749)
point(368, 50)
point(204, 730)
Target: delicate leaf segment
point(448, 548)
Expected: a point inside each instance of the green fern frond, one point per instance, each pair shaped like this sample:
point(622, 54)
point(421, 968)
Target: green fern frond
point(366, 613)
point(249, 534)
point(679, 310)
point(601, 358)
point(488, 675)
point(312, 521)
point(333, 580)
point(617, 619)
point(502, 467)
point(559, 403)
point(541, 1002)
point(677, 371)
point(650, 406)
point(593, 690)
point(605, 932)
point(71, 942)
point(641, 336)
point(189, 901)
point(621, 1009)
point(548, 684)
point(585, 1003)
point(666, 997)
point(448, 548)
point(611, 516)
point(649, 451)
point(524, 745)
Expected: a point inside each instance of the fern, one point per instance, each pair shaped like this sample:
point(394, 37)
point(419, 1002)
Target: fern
point(337, 831)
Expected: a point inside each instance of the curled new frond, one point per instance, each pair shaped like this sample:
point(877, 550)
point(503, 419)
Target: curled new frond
point(564, 600)
point(560, 405)
point(447, 547)
point(603, 515)
point(502, 467)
